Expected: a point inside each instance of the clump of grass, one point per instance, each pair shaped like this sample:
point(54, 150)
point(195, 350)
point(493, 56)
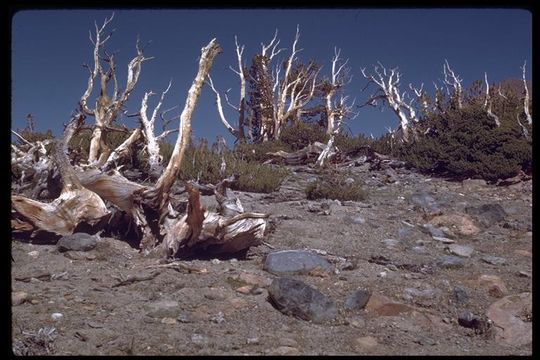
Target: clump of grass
point(205, 166)
point(336, 187)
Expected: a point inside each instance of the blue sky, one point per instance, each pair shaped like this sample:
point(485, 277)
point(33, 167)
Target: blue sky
point(49, 47)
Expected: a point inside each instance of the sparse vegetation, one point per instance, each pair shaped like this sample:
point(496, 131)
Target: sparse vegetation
point(338, 186)
point(205, 166)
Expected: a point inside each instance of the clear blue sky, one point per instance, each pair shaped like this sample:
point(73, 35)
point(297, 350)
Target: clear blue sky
point(49, 47)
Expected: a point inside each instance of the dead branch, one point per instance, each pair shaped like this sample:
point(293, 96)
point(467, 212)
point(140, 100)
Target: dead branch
point(454, 81)
point(526, 99)
point(488, 103)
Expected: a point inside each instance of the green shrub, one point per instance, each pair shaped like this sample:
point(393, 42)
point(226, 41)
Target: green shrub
point(348, 144)
point(301, 134)
point(466, 143)
point(339, 186)
point(204, 165)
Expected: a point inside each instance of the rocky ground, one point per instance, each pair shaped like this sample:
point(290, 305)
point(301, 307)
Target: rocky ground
point(421, 266)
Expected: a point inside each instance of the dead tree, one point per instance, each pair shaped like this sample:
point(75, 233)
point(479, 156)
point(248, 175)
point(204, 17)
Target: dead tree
point(106, 107)
point(238, 132)
point(75, 207)
point(337, 111)
point(454, 81)
point(388, 91)
point(526, 99)
point(279, 97)
point(488, 104)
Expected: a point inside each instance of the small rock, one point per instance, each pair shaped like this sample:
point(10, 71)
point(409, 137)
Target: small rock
point(18, 297)
point(365, 343)
point(294, 297)
point(218, 318)
point(253, 279)
point(524, 253)
point(382, 274)
point(252, 341)
point(294, 262)
point(461, 250)
point(461, 295)
point(420, 249)
point(358, 299)
point(215, 261)
point(162, 309)
point(184, 318)
point(443, 239)
point(450, 262)
point(354, 220)
point(357, 322)
point(245, 289)
point(57, 316)
point(199, 339)
point(214, 293)
point(168, 321)
point(469, 320)
point(525, 274)
point(494, 260)
point(284, 350)
point(512, 317)
point(390, 243)
point(33, 254)
point(410, 293)
point(76, 242)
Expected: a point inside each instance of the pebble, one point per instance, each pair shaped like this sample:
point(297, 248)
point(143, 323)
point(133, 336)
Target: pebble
point(450, 262)
point(357, 322)
point(57, 316)
point(525, 274)
point(410, 293)
point(218, 318)
point(215, 261)
point(198, 339)
point(284, 350)
point(252, 341)
point(494, 260)
point(433, 231)
point(34, 254)
point(18, 297)
point(461, 250)
point(184, 318)
point(390, 243)
point(420, 249)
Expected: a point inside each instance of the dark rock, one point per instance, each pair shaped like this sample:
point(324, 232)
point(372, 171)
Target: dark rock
point(450, 262)
point(461, 295)
point(469, 320)
point(76, 242)
point(294, 262)
point(494, 260)
point(487, 214)
point(358, 299)
point(296, 298)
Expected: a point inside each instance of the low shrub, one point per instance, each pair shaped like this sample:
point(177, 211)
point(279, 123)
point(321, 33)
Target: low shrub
point(258, 152)
point(465, 143)
point(338, 186)
point(301, 134)
point(205, 166)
